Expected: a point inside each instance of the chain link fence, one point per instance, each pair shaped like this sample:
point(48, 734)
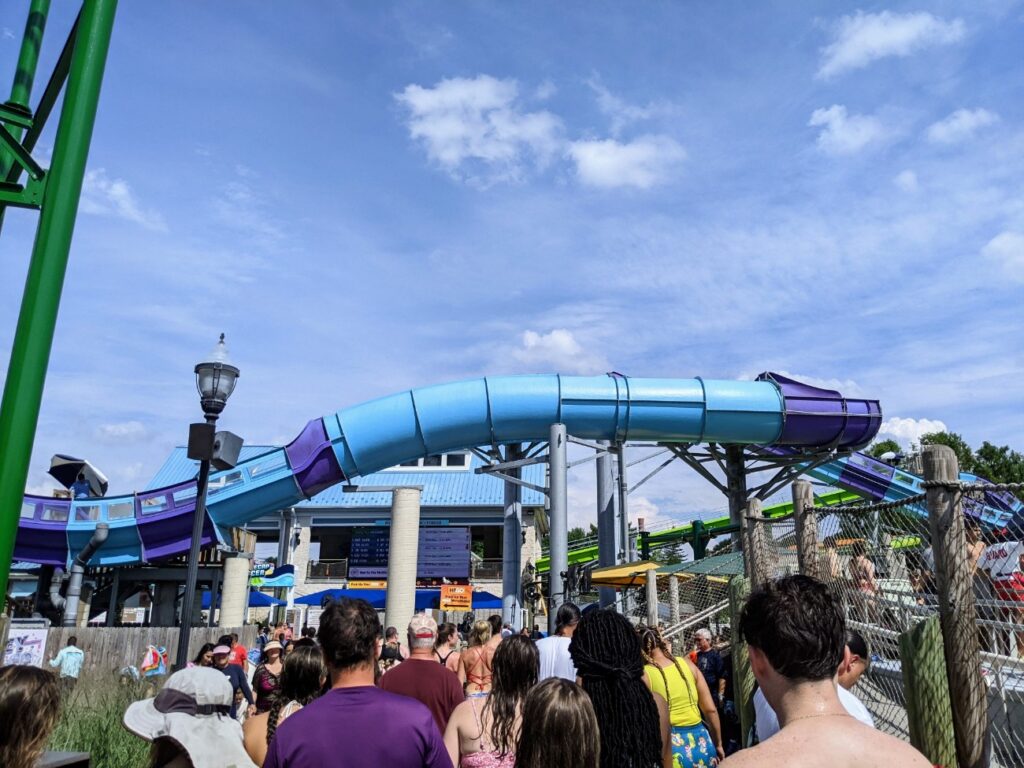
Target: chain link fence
point(935, 642)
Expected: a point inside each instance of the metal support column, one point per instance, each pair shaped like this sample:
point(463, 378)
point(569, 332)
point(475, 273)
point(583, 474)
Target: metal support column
point(736, 483)
point(628, 551)
point(558, 496)
point(403, 551)
point(512, 545)
point(25, 74)
point(33, 339)
point(608, 533)
point(115, 588)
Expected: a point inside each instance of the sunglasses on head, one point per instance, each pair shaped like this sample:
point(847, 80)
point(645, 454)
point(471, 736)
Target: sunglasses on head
point(170, 701)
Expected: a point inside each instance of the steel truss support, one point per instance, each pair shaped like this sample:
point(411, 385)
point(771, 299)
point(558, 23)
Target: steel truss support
point(57, 195)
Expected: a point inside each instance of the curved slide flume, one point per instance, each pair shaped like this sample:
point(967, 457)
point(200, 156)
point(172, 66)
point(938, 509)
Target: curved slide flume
point(152, 525)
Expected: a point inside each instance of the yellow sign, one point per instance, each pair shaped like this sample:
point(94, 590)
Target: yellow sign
point(367, 585)
point(456, 597)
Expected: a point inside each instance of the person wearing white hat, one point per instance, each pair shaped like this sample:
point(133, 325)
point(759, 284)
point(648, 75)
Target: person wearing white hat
point(189, 723)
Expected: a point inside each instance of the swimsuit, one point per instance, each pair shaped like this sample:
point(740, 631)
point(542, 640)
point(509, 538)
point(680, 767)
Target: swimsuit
point(485, 758)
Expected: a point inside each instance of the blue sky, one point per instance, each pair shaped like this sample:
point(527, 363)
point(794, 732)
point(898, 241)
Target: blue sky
point(369, 197)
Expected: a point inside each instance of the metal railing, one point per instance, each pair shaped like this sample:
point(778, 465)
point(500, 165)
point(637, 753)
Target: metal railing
point(326, 570)
point(487, 570)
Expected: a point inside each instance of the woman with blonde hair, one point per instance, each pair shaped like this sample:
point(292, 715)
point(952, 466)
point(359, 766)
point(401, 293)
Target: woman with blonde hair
point(690, 704)
point(476, 661)
point(559, 728)
point(29, 710)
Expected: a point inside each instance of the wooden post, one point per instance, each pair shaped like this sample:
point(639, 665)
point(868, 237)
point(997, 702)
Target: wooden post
point(760, 567)
point(673, 600)
point(806, 521)
point(926, 689)
point(955, 581)
point(742, 675)
point(652, 597)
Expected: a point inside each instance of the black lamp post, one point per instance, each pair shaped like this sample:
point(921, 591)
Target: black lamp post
point(215, 381)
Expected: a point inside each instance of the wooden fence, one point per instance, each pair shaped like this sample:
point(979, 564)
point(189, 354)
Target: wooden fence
point(108, 649)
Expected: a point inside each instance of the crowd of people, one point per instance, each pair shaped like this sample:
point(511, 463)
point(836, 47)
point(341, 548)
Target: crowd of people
point(599, 693)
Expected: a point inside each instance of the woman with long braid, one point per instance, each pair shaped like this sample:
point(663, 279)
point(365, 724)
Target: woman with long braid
point(302, 678)
point(634, 722)
point(682, 685)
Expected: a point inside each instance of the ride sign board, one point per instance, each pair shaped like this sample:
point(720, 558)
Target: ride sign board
point(443, 553)
point(456, 597)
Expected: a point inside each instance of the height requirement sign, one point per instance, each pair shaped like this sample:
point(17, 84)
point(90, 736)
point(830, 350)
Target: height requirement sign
point(443, 553)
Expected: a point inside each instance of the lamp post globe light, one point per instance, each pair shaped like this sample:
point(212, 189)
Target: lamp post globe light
point(215, 381)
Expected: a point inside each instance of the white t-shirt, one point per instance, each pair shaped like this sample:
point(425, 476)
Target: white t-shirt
point(555, 660)
point(768, 722)
point(1002, 560)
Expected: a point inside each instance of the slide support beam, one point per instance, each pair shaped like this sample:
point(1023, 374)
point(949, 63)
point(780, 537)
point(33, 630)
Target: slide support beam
point(559, 500)
point(512, 545)
point(37, 321)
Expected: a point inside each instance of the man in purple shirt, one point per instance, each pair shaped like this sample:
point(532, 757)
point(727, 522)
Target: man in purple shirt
point(356, 724)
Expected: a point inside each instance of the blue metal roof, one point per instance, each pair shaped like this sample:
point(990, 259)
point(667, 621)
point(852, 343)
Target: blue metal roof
point(441, 487)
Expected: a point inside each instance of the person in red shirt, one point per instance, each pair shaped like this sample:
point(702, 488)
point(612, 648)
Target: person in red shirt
point(239, 656)
point(421, 677)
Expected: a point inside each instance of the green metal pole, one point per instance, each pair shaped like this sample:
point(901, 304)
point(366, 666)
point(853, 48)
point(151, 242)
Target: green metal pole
point(30, 354)
point(700, 540)
point(25, 74)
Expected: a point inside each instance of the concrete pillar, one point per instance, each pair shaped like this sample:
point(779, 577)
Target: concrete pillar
point(608, 531)
point(400, 604)
point(512, 546)
point(234, 592)
point(559, 500)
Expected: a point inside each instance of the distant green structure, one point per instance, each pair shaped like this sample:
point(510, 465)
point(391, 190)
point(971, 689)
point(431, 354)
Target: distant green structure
point(55, 193)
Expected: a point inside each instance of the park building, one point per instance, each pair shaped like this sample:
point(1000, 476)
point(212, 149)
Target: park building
point(334, 540)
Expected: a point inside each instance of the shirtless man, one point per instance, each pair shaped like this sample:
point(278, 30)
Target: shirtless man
point(795, 634)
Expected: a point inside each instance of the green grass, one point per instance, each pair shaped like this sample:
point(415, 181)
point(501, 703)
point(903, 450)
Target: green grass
point(91, 722)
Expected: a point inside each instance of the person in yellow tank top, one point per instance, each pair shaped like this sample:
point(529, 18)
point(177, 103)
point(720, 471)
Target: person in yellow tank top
point(690, 704)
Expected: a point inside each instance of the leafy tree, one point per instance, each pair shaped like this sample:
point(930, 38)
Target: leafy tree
point(1000, 465)
point(885, 446)
point(964, 454)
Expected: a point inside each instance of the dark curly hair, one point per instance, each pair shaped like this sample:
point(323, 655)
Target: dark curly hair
point(606, 652)
point(797, 623)
point(349, 629)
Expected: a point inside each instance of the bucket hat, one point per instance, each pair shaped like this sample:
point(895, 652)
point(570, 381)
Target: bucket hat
point(193, 710)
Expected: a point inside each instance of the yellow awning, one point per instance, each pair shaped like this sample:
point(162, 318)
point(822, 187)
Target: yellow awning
point(625, 575)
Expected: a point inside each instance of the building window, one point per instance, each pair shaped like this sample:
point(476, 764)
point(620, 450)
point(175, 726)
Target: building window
point(435, 461)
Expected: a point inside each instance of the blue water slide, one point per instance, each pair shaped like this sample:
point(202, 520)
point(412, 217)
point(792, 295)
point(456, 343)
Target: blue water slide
point(155, 525)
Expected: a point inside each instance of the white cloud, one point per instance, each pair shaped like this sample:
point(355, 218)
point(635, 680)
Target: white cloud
point(909, 431)
point(545, 91)
point(124, 431)
point(474, 129)
point(1007, 250)
point(843, 133)
point(104, 196)
point(620, 112)
point(906, 180)
point(960, 125)
point(558, 351)
point(866, 37)
point(643, 163)
point(241, 208)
